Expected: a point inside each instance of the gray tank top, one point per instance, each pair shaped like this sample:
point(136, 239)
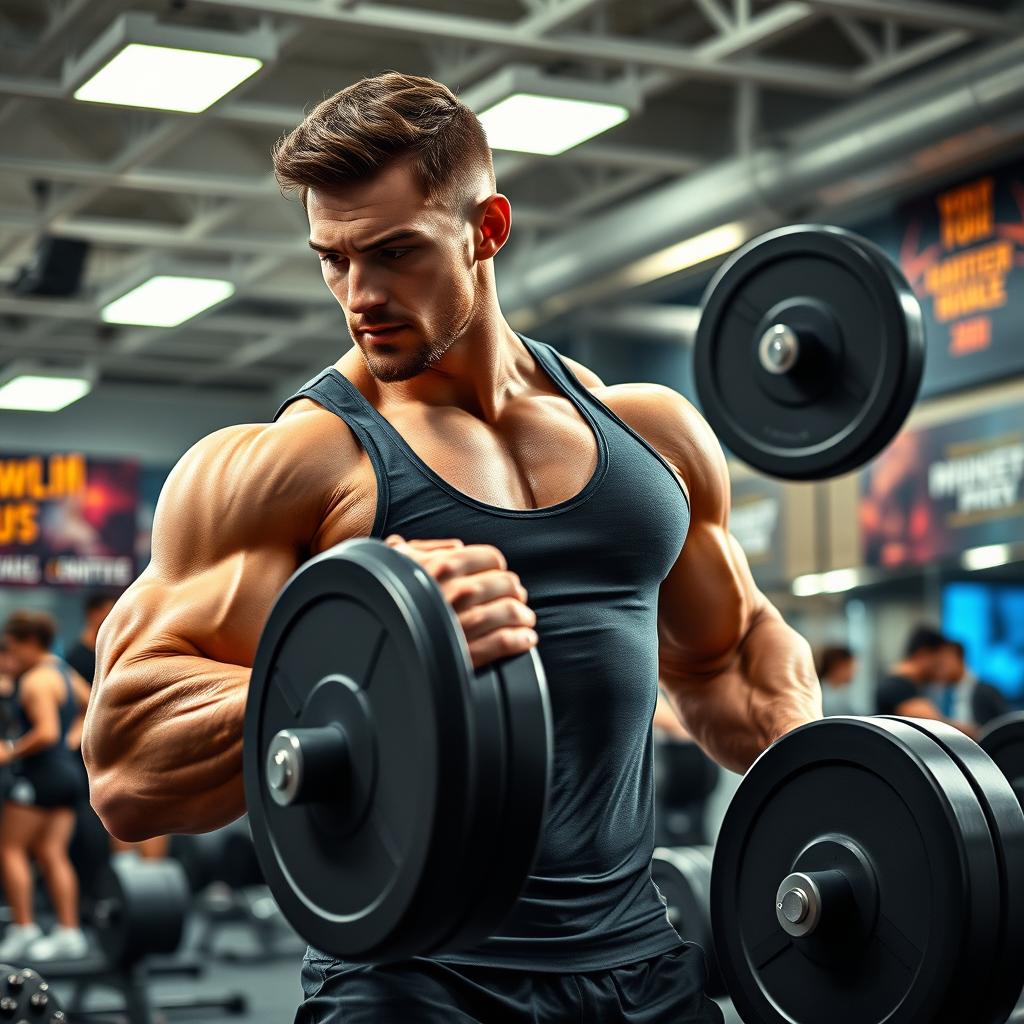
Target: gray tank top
point(593, 565)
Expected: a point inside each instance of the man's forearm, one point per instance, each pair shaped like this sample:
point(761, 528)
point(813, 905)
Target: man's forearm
point(768, 688)
point(163, 745)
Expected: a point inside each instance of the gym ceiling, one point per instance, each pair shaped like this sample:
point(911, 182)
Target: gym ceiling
point(743, 114)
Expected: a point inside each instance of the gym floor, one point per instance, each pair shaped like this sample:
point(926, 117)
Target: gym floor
point(271, 988)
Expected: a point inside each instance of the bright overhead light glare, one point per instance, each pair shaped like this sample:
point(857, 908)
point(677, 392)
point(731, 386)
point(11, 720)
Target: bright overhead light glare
point(839, 580)
point(807, 586)
point(689, 253)
point(167, 78)
point(834, 582)
point(27, 387)
point(986, 557)
point(166, 301)
point(547, 125)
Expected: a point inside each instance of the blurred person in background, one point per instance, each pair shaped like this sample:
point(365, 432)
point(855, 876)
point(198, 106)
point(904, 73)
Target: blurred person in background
point(39, 812)
point(904, 690)
point(837, 667)
point(973, 701)
point(82, 656)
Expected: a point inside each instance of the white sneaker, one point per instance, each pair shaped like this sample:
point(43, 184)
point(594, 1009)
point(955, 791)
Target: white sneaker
point(16, 941)
point(60, 944)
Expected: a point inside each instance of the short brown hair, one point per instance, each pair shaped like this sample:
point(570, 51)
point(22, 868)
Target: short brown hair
point(31, 625)
point(375, 122)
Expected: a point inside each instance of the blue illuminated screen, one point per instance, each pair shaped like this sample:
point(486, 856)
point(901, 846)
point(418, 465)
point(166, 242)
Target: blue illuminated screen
point(988, 619)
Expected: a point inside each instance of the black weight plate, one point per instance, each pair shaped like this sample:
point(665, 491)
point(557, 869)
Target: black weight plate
point(888, 791)
point(26, 996)
point(374, 876)
point(852, 389)
point(525, 712)
point(683, 877)
point(993, 996)
point(1003, 741)
point(140, 908)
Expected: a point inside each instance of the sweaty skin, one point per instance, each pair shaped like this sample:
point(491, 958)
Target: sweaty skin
point(248, 504)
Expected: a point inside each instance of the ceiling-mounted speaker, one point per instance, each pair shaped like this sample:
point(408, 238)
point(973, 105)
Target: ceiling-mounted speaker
point(56, 269)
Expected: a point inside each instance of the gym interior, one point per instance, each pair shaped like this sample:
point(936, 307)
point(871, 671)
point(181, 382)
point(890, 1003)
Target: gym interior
point(795, 227)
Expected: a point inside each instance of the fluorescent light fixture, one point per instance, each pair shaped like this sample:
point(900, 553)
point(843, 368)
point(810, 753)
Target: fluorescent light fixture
point(140, 62)
point(166, 301)
point(689, 253)
point(839, 580)
point(28, 387)
point(525, 110)
point(834, 582)
point(986, 557)
point(807, 586)
point(547, 125)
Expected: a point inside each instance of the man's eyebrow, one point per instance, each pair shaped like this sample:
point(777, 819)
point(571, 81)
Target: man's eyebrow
point(378, 243)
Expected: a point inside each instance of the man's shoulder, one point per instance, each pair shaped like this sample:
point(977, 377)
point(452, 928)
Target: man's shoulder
point(306, 444)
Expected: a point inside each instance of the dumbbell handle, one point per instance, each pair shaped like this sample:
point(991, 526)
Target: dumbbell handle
point(308, 766)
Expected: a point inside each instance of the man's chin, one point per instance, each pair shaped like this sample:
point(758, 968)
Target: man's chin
point(392, 369)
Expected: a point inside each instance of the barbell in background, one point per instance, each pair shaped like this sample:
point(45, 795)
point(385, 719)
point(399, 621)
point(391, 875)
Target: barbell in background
point(809, 352)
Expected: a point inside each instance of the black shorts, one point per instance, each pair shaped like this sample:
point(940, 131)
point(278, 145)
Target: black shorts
point(666, 989)
point(48, 783)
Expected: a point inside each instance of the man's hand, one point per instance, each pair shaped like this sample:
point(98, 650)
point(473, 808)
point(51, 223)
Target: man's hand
point(490, 601)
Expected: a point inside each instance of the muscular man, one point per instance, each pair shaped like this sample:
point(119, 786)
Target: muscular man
point(561, 507)
point(902, 692)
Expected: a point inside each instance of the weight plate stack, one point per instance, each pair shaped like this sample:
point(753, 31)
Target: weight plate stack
point(1003, 741)
point(995, 998)
point(380, 771)
point(683, 877)
point(856, 881)
point(809, 352)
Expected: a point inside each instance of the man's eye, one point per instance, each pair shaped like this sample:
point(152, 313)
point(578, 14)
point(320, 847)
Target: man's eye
point(394, 254)
point(329, 257)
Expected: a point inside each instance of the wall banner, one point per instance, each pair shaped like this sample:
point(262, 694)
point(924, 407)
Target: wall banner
point(67, 520)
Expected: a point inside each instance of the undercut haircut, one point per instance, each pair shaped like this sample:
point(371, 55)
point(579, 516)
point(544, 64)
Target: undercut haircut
point(351, 137)
point(39, 627)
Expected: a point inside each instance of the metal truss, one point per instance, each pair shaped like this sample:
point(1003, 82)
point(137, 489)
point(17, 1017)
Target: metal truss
point(722, 44)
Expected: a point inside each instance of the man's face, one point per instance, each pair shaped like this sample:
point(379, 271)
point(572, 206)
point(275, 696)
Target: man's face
point(420, 280)
point(21, 654)
point(950, 668)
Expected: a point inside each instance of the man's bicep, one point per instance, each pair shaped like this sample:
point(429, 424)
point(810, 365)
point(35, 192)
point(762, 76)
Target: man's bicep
point(706, 603)
point(226, 536)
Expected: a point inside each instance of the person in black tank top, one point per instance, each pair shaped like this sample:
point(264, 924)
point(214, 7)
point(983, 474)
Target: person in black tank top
point(588, 521)
point(39, 812)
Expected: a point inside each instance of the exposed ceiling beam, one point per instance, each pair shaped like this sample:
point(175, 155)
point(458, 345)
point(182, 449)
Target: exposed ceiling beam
point(967, 16)
point(912, 56)
point(375, 18)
